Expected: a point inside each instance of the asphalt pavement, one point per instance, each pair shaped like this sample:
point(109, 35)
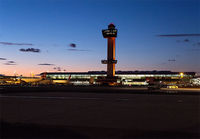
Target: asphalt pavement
point(99, 115)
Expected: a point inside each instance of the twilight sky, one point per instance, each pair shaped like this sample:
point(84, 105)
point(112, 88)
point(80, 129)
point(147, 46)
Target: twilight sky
point(58, 35)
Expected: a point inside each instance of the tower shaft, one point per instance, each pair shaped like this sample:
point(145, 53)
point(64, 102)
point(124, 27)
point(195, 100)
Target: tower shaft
point(111, 57)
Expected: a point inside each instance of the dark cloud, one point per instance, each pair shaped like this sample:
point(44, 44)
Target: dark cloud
point(178, 35)
point(72, 45)
point(57, 68)
point(196, 44)
point(2, 58)
point(77, 50)
point(30, 50)
point(10, 43)
point(46, 64)
point(10, 63)
point(186, 40)
point(171, 60)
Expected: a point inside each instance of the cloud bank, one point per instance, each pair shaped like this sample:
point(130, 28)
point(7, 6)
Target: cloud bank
point(10, 63)
point(11, 43)
point(178, 35)
point(77, 50)
point(46, 64)
point(2, 58)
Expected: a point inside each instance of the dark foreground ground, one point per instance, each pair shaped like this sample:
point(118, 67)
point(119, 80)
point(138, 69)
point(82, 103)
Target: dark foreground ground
point(102, 114)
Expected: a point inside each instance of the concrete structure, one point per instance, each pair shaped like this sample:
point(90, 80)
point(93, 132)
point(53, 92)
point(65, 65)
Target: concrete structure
point(110, 34)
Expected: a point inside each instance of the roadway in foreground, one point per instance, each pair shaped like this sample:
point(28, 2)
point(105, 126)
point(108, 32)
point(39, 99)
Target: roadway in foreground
point(99, 115)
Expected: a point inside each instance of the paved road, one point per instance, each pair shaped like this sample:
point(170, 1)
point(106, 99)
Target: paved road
point(100, 115)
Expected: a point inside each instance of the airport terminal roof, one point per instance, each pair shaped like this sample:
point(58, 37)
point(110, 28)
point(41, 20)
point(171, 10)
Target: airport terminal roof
point(120, 72)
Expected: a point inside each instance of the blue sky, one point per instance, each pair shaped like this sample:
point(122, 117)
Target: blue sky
point(51, 25)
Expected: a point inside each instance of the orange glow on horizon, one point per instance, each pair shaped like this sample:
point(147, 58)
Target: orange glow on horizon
point(33, 71)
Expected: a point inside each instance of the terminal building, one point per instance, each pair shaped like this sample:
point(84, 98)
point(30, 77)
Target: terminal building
point(125, 77)
point(130, 78)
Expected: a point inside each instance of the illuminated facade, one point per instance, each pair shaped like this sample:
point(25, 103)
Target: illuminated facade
point(126, 77)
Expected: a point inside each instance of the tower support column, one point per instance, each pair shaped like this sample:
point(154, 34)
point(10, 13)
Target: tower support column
point(111, 57)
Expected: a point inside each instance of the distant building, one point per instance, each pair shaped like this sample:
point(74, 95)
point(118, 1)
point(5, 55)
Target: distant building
point(125, 77)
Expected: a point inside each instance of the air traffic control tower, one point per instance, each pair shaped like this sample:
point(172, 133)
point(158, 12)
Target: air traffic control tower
point(110, 34)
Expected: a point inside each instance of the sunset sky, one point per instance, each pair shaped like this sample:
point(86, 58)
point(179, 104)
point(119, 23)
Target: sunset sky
point(66, 35)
